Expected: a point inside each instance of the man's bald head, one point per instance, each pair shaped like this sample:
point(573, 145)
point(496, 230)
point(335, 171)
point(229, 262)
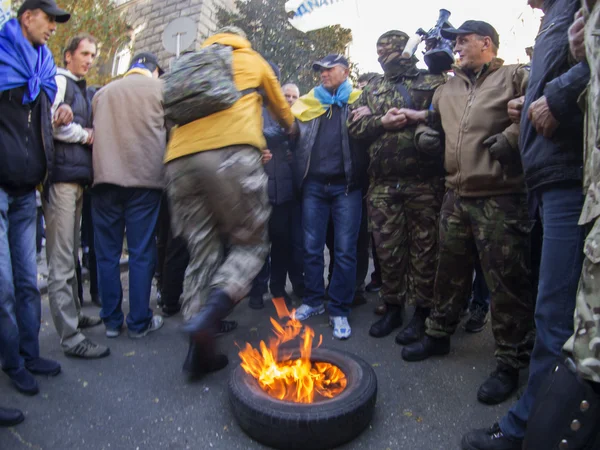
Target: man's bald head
point(291, 93)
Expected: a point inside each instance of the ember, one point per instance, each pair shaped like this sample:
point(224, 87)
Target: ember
point(296, 380)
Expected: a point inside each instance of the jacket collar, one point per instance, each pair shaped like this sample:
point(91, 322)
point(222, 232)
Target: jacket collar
point(68, 74)
point(494, 65)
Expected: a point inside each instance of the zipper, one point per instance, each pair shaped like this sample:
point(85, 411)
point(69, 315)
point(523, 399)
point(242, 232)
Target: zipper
point(544, 30)
point(461, 132)
point(27, 138)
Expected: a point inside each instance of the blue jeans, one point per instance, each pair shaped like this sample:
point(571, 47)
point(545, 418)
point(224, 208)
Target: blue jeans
point(320, 201)
point(20, 302)
point(117, 209)
point(560, 268)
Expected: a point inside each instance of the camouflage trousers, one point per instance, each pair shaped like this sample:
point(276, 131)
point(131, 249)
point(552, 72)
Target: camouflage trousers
point(220, 206)
point(496, 229)
point(584, 345)
point(404, 222)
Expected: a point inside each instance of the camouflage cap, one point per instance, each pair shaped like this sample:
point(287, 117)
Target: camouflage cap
point(231, 29)
point(393, 41)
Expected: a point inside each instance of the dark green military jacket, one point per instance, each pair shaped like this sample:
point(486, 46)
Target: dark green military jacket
point(393, 154)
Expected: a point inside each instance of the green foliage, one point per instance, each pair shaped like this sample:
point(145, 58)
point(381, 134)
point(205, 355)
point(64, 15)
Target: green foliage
point(266, 24)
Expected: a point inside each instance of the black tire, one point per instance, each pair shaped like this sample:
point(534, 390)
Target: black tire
point(321, 425)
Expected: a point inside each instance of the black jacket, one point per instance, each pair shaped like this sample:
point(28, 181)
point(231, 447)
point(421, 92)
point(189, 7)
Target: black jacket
point(354, 156)
point(73, 161)
point(279, 169)
point(26, 143)
point(560, 158)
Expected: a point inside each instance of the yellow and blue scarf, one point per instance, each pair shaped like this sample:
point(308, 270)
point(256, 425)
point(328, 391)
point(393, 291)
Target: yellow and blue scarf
point(319, 101)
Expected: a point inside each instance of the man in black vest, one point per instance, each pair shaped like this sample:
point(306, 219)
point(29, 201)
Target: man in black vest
point(64, 201)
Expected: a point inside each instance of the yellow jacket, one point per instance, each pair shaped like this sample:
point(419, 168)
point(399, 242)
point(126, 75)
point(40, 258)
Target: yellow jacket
point(242, 123)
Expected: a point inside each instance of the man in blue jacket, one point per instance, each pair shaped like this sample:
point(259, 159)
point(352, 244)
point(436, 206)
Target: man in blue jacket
point(27, 90)
point(551, 143)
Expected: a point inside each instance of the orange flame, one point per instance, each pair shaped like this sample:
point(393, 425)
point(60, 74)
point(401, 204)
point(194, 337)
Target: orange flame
point(295, 380)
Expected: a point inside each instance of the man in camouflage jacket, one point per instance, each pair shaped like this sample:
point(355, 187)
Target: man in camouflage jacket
point(406, 186)
point(484, 211)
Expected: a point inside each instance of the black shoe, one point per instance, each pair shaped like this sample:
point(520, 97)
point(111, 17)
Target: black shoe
point(226, 326)
point(43, 366)
point(256, 302)
point(489, 439)
point(24, 381)
point(499, 386)
point(373, 286)
point(96, 300)
point(198, 362)
point(359, 299)
point(477, 321)
point(415, 330)
point(389, 322)
point(169, 312)
point(426, 348)
point(10, 417)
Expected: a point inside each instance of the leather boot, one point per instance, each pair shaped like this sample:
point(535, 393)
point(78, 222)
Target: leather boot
point(10, 417)
point(502, 382)
point(415, 330)
point(380, 309)
point(388, 323)
point(200, 361)
point(425, 348)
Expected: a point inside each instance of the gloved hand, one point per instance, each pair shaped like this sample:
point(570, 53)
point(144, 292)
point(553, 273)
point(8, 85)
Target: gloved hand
point(429, 141)
point(500, 149)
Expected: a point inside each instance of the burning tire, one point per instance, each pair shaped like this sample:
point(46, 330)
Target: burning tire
point(321, 425)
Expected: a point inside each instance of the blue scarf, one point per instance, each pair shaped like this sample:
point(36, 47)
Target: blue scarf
point(340, 98)
point(21, 63)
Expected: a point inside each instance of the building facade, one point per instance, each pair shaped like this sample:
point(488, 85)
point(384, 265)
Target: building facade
point(148, 19)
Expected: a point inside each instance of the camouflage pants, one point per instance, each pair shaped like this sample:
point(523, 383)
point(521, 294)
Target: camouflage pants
point(404, 221)
point(497, 230)
point(220, 206)
point(584, 345)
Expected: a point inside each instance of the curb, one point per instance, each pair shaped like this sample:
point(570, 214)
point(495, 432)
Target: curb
point(43, 284)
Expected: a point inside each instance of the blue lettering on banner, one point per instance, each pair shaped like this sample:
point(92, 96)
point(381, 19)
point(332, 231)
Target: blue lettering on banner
point(309, 5)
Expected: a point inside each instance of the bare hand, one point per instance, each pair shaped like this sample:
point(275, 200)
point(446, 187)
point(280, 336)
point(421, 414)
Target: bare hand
point(90, 139)
point(360, 112)
point(63, 115)
point(515, 106)
point(541, 117)
point(394, 120)
point(266, 155)
point(413, 116)
point(577, 37)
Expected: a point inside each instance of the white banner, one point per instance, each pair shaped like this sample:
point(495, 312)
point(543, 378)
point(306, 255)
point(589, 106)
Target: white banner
point(5, 12)
point(314, 14)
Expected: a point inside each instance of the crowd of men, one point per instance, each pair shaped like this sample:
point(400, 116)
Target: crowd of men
point(442, 175)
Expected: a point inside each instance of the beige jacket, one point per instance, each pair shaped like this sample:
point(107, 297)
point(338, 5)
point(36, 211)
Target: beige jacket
point(471, 113)
point(129, 132)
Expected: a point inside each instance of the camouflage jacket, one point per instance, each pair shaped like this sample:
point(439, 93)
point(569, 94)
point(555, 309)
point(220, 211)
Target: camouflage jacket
point(591, 177)
point(393, 154)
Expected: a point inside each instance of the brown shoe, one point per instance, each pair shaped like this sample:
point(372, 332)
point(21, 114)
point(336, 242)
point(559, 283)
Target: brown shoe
point(380, 310)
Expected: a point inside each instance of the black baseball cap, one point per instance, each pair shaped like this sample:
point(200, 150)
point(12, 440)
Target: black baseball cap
point(473, 27)
point(148, 60)
point(330, 61)
point(48, 6)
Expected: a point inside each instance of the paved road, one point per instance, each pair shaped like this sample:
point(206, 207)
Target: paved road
point(138, 398)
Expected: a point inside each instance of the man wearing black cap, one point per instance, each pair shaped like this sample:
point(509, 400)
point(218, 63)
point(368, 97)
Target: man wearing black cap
point(27, 90)
point(129, 146)
point(331, 172)
point(552, 143)
point(484, 212)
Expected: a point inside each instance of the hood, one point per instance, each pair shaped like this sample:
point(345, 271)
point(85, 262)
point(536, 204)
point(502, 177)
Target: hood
point(232, 40)
point(66, 73)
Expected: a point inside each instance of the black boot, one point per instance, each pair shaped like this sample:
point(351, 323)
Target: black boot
point(425, 348)
point(10, 417)
point(218, 306)
point(415, 330)
point(201, 361)
point(502, 382)
point(389, 322)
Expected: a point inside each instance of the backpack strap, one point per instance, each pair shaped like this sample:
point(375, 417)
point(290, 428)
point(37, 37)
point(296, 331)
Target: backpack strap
point(408, 101)
point(69, 96)
point(248, 91)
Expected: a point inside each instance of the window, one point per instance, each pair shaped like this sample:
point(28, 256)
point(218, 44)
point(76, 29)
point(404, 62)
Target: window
point(122, 59)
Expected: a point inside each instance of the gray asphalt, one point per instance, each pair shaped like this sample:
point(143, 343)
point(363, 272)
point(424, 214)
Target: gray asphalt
point(138, 399)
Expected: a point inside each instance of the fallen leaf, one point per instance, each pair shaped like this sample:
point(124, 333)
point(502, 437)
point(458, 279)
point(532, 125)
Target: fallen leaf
point(419, 419)
point(376, 364)
point(156, 400)
point(85, 383)
point(408, 413)
point(129, 354)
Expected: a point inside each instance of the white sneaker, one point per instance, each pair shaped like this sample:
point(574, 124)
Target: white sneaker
point(156, 323)
point(341, 327)
point(306, 311)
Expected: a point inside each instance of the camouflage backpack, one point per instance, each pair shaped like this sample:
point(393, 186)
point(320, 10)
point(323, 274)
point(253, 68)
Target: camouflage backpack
point(200, 84)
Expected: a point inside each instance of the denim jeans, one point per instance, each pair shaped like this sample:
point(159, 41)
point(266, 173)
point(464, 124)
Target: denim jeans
point(20, 302)
point(560, 268)
point(320, 201)
point(117, 209)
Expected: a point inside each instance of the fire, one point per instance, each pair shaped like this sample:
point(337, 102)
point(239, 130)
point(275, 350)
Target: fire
point(294, 380)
